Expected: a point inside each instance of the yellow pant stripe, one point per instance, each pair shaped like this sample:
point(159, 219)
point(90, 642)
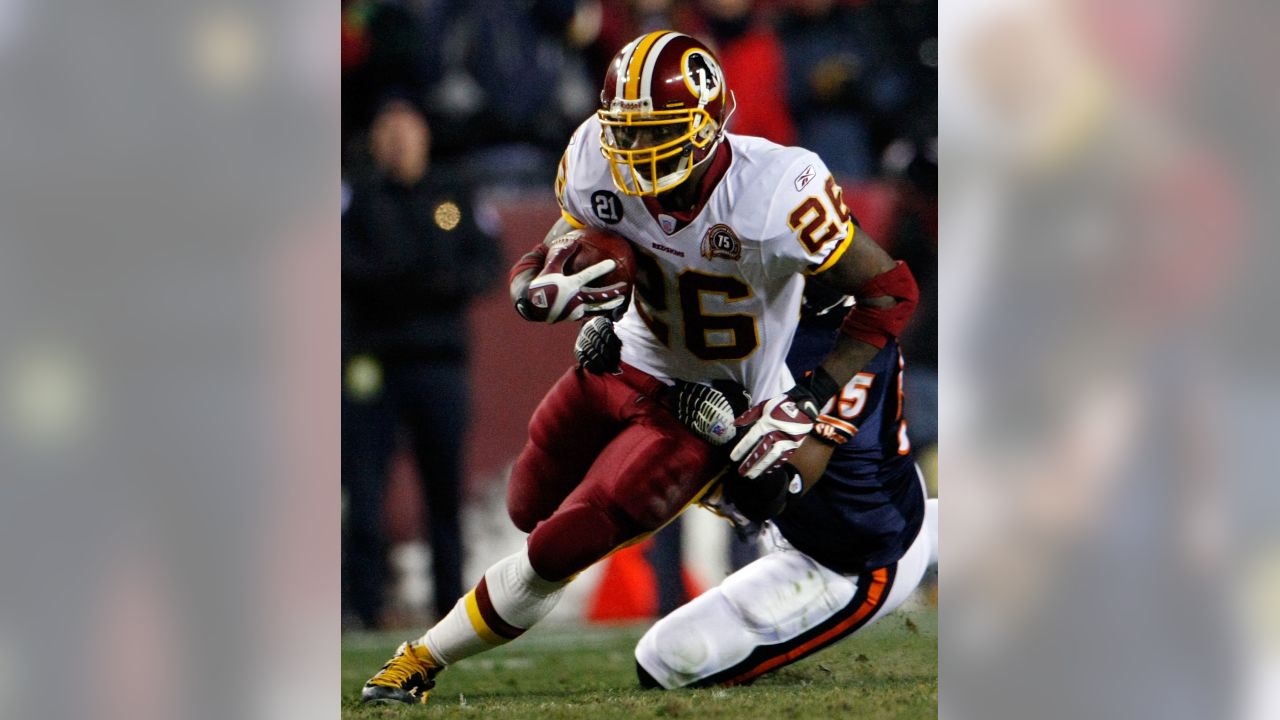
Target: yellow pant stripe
point(645, 536)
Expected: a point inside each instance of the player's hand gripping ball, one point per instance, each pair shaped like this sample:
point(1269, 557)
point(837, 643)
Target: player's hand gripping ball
point(587, 272)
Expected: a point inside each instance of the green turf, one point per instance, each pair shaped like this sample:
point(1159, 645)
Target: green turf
point(886, 671)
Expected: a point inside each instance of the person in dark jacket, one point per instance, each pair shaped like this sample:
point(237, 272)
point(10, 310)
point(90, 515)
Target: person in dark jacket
point(414, 257)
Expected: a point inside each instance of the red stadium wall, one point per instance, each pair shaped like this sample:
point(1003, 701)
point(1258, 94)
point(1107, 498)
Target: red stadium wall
point(513, 361)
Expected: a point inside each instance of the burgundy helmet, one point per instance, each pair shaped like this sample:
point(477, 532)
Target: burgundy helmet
point(663, 111)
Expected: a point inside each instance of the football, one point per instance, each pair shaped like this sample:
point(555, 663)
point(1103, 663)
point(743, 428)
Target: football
point(555, 294)
point(595, 245)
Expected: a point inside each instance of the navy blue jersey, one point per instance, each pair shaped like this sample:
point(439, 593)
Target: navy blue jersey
point(868, 507)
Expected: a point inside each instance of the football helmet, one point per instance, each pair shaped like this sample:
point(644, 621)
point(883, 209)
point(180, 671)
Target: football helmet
point(662, 112)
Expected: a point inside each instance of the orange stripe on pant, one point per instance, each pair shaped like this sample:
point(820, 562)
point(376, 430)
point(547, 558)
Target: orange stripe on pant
point(876, 594)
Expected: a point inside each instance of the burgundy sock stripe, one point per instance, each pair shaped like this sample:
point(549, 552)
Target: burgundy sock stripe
point(500, 627)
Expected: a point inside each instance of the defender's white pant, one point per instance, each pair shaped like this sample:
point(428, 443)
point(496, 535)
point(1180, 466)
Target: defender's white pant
point(775, 611)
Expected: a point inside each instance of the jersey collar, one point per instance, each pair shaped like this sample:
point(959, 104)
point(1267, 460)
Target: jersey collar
point(710, 181)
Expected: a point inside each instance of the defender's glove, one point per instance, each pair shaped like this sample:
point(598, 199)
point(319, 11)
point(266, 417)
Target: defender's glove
point(766, 495)
point(776, 428)
point(718, 503)
point(778, 425)
point(598, 348)
point(704, 410)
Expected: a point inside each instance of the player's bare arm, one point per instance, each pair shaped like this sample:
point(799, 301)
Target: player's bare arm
point(864, 261)
point(886, 295)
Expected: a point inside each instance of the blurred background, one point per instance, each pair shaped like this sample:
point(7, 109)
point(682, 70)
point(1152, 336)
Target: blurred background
point(170, 507)
point(1106, 418)
point(454, 117)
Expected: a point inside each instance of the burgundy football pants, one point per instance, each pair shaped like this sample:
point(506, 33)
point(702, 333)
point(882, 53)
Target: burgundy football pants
point(606, 462)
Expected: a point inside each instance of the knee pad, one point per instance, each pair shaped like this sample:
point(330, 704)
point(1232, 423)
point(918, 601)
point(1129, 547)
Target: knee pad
point(521, 508)
point(784, 594)
point(689, 644)
point(575, 537)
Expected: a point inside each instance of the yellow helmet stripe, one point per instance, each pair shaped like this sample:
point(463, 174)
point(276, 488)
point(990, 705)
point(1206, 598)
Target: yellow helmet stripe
point(646, 75)
point(634, 68)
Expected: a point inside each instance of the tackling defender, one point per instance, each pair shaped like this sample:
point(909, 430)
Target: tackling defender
point(725, 229)
point(849, 528)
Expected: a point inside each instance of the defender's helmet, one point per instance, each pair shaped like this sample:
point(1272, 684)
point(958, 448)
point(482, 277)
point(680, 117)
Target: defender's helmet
point(663, 110)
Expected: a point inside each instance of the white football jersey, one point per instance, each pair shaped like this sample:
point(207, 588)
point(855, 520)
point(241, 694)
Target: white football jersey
point(718, 297)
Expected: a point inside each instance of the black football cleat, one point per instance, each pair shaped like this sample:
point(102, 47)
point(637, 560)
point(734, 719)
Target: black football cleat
point(406, 678)
point(647, 681)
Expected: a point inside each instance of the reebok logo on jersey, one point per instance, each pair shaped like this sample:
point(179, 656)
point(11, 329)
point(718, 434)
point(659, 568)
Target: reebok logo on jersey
point(720, 242)
point(804, 177)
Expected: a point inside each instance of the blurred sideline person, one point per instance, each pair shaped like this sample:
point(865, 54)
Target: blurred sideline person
point(751, 53)
point(725, 229)
point(413, 259)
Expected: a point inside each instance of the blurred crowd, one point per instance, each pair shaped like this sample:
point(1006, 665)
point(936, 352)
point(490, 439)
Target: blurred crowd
point(504, 82)
point(447, 105)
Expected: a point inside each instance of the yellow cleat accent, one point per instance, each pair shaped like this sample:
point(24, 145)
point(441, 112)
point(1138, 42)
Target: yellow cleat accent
point(406, 678)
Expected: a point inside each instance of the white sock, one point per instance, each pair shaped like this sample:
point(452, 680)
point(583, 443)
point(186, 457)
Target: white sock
point(509, 600)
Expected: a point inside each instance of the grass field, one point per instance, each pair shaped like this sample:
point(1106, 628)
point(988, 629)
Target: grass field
point(886, 671)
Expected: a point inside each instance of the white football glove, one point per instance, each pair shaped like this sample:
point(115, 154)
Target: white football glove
point(570, 297)
point(777, 427)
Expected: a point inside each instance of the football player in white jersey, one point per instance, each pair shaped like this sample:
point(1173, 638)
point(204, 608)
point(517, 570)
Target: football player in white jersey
point(725, 228)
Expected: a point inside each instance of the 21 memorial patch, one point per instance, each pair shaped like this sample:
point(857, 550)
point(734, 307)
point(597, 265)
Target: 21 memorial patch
point(606, 206)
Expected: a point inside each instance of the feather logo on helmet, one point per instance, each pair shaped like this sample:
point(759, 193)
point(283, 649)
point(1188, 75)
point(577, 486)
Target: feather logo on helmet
point(702, 75)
